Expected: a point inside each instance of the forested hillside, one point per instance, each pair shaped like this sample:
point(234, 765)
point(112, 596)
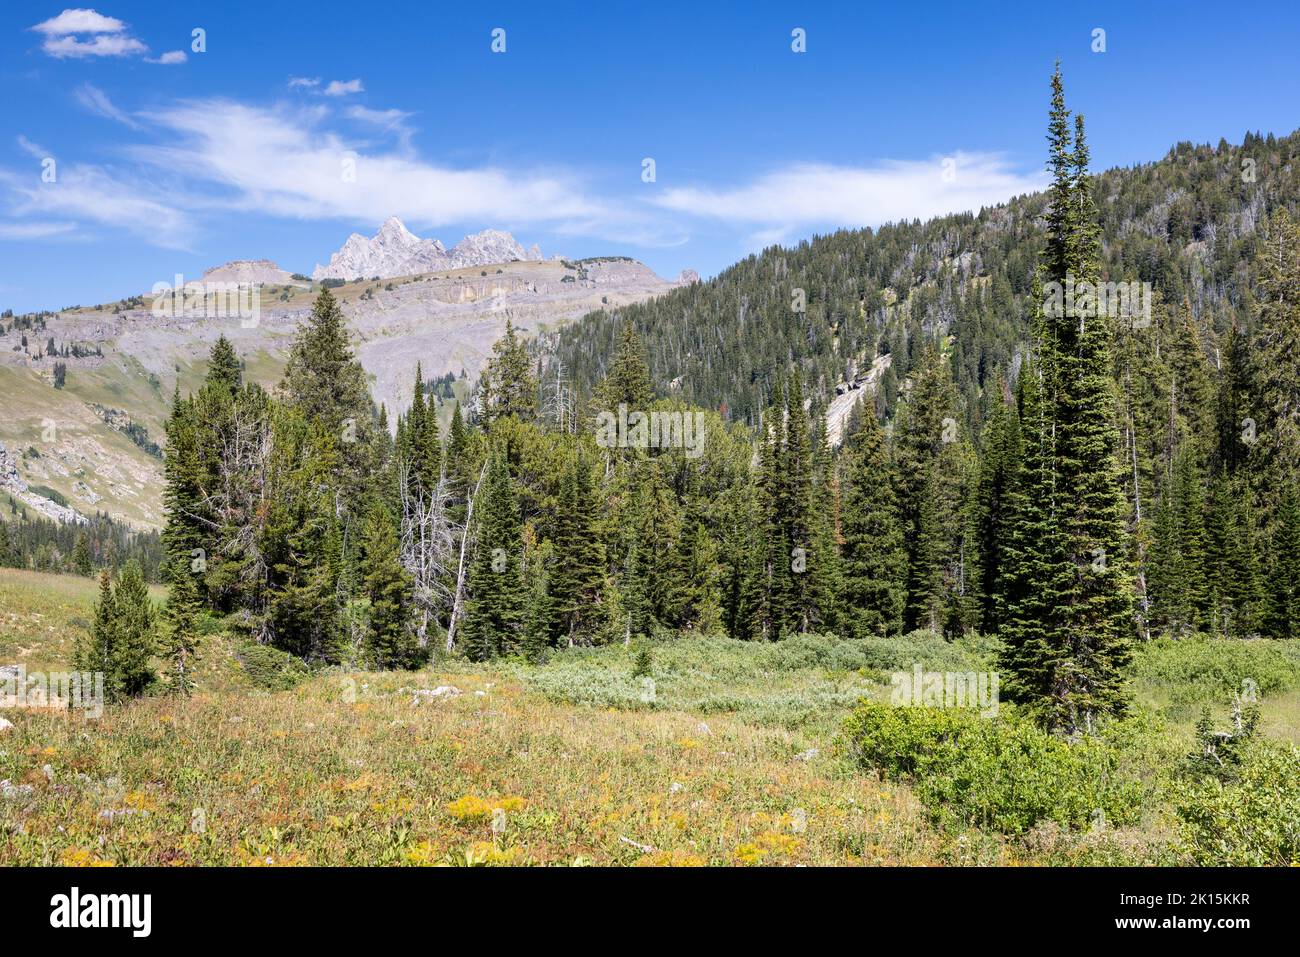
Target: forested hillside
point(1190, 224)
point(1067, 484)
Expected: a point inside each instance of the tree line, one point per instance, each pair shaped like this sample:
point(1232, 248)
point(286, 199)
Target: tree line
point(1108, 480)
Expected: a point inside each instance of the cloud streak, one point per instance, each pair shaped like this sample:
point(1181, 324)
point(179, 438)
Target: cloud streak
point(284, 162)
point(811, 194)
point(96, 101)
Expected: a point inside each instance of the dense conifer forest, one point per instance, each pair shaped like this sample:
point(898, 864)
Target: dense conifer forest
point(1068, 485)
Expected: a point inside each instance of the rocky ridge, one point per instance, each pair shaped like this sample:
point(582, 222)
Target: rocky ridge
point(396, 251)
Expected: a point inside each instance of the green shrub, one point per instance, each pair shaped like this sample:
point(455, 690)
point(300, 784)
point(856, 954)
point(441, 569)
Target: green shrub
point(1003, 774)
point(1194, 669)
point(1250, 820)
point(270, 668)
point(932, 651)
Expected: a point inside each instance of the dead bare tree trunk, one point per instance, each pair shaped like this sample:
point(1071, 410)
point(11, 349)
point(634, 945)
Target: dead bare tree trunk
point(459, 598)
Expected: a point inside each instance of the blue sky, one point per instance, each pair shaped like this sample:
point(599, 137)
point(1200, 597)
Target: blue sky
point(170, 160)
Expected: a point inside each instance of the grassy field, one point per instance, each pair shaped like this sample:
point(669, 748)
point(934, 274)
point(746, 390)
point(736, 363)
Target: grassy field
point(732, 753)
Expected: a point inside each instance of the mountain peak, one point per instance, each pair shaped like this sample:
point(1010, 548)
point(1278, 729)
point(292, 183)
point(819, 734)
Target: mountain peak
point(395, 251)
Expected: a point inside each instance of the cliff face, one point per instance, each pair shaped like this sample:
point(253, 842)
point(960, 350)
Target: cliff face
point(131, 360)
point(395, 251)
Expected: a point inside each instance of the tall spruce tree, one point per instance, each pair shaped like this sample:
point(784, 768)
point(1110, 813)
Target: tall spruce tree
point(991, 507)
point(390, 638)
point(873, 589)
point(1070, 635)
point(578, 583)
point(181, 640)
point(509, 387)
point(628, 382)
point(494, 610)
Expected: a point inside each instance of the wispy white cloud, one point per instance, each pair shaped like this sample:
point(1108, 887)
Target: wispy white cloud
point(38, 230)
point(90, 193)
point(288, 163)
point(386, 121)
point(303, 82)
point(817, 194)
point(343, 87)
point(171, 58)
point(108, 36)
point(32, 149)
point(96, 101)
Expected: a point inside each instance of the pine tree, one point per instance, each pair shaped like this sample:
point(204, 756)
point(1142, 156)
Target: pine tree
point(509, 387)
point(540, 617)
point(224, 368)
point(494, 611)
point(874, 559)
point(324, 381)
point(578, 583)
point(701, 604)
point(990, 510)
point(180, 644)
point(929, 466)
point(81, 556)
point(628, 381)
point(121, 639)
point(768, 590)
point(187, 526)
point(1276, 354)
point(1035, 575)
point(806, 601)
point(95, 651)
point(1069, 634)
point(1284, 577)
point(390, 639)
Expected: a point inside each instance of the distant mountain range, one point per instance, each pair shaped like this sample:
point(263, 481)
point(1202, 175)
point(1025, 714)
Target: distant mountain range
point(395, 251)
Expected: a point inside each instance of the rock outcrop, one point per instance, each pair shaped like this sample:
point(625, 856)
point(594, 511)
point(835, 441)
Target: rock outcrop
point(396, 251)
point(251, 271)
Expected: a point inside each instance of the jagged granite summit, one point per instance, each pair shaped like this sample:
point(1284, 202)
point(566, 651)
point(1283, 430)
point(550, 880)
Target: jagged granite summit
point(396, 251)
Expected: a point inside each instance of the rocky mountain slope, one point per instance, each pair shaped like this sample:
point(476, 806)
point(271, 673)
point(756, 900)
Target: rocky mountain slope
point(94, 440)
point(395, 251)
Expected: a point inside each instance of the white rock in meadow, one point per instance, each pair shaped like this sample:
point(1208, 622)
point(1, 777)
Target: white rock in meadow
point(5, 724)
point(438, 693)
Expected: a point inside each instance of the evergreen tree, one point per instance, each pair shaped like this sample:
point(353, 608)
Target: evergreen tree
point(121, 638)
point(224, 368)
point(540, 617)
point(930, 474)
point(494, 610)
point(81, 556)
point(992, 493)
point(628, 381)
point(180, 644)
point(579, 580)
point(874, 559)
point(1284, 577)
point(326, 383)
point(390, 639)
point(509, 387)
point(1069, 639)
